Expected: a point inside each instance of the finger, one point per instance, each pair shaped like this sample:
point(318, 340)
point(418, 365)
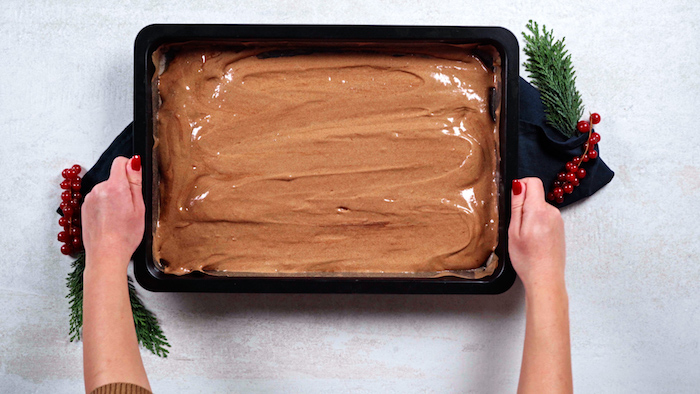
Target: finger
point(535, 194)
point(117, 173)
point(517, 198)
point(134, 176)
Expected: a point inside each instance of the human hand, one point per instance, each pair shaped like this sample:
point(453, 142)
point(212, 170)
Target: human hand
point(535, 237)
point(113, 217)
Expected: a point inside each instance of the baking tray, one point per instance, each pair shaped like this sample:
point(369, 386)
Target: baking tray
point(153, 36)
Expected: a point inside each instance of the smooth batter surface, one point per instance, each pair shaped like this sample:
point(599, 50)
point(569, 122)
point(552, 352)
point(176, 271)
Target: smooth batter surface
point(369, 160)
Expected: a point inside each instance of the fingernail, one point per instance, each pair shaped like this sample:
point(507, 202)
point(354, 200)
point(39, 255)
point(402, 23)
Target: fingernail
point(517, 187)
point(136, 163)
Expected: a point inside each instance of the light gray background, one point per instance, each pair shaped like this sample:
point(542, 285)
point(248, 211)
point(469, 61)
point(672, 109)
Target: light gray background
point(633, 250)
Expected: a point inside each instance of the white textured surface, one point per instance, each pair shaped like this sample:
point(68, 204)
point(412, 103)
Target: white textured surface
point(634, 248)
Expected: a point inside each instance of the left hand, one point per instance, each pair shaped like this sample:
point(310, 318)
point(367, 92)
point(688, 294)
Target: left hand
point(113, 217)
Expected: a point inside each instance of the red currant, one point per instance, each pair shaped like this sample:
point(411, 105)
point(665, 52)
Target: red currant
point(595, 138)
point(67, 211)
point(568, 188)
point(76, 168)
point(62, 236)
point(550, 196)
point(575, 182)
point(63, 222)
point(76, 243)
point(74, 232)
point(570, 167)
point(585, 158)
point(595, 118)
point(581, 173)
point(583, 126)
point(558, 192)
point(65, 184)
point(66, 249)
point(66, 196)
point(560, 200)
point(66, 173)
point(559, 183)
point(76, 221)
point(63, 205)
point(74, 203)
point(75, 185)
point(576, 160)
point(593, 154)
point(77, 195)
point(570, 177)
point(561, 177)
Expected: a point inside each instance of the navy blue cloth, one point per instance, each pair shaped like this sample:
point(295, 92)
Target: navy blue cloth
point(123, 145)
point(542, 152)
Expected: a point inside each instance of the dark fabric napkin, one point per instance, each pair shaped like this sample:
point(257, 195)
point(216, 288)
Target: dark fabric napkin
point(123, 145)
point(542, 151)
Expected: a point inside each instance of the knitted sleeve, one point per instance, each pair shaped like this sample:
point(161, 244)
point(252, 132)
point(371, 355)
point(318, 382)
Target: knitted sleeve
point(120, 388)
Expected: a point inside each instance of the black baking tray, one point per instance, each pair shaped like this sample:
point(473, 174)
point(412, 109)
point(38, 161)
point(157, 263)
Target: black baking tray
point(153, 36)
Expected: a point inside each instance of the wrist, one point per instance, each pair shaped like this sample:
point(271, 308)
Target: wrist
point(553, 290)
point(105, 265)
point(103, 281)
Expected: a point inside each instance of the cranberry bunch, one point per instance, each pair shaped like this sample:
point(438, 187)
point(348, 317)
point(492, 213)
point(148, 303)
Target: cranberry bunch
point(567, 180)
point(71, 200)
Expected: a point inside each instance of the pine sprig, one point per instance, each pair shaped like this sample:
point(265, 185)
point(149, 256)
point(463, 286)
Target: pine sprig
point(550, 70)
point(148, 331)
point(75, 296)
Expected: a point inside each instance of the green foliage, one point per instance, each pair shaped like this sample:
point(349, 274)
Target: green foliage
point(75, 297)
point(549, 66)
point(148, 331)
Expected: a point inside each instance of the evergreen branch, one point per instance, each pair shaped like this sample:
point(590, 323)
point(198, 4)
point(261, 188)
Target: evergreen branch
point(148, 331)
point(75, 297)
point(550, 70)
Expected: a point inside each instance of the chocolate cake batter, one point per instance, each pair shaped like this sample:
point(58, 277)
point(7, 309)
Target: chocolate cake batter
point(369, 159)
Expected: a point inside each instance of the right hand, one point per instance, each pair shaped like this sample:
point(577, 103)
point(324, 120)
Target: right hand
point(536, 237)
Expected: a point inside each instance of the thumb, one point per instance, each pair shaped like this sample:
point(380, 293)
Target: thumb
point(517, 200)
point(133, 174)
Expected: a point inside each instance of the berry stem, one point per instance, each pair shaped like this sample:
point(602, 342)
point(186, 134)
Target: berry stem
point(572, 175)
point(588, 145)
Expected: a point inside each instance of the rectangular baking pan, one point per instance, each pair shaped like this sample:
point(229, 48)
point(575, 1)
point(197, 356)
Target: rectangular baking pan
point(153, 36)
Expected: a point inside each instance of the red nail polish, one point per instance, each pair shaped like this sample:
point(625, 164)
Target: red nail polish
point(136, 163)
point(517, 187)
